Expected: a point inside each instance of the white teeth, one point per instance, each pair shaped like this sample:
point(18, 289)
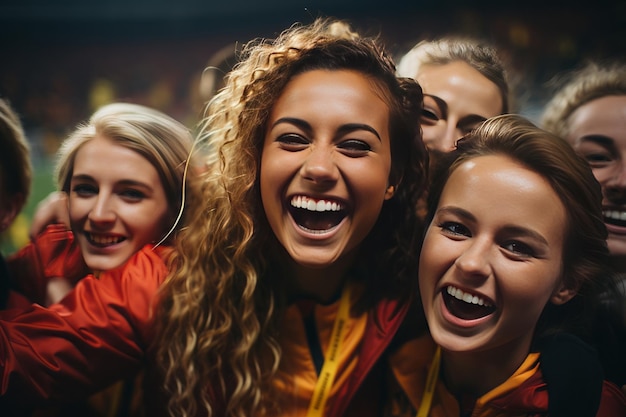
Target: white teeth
point(314, 205)
point(104, 240)
point(615, 215)
point(466, 297)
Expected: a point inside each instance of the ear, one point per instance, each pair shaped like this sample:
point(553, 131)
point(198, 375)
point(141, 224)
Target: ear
point(10, 210)
point(562, 294)
point(390, 192)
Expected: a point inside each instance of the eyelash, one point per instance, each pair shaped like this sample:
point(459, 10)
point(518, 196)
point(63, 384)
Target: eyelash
point(519, 249)
point(451, 226)
point(429, 116)
point(86, 190)
point(133, 194)
point(514, 247)
point(349, 147)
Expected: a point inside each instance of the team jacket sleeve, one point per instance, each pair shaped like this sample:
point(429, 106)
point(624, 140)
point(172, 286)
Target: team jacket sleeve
point(53, 253)
point(96, 335)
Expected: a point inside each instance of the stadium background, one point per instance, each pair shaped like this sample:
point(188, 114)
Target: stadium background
point(60, 59)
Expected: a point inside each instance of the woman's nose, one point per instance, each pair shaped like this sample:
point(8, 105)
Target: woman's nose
point(319, 166)
point(102, 211)
point(474, 261)
point(447, 141)
point(615, 187)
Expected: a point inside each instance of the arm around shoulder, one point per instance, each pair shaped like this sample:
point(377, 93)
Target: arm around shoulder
point(98, 334)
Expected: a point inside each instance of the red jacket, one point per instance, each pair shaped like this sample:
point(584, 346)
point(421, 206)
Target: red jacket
point(97, 335)
point(100, 333)
point(524, 393)
point(54, 253)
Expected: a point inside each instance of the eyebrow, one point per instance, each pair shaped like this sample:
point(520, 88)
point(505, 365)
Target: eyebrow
point(343, 129)
point(443, 106)
point(601, 140)
point(517, 230)
point(441, 103)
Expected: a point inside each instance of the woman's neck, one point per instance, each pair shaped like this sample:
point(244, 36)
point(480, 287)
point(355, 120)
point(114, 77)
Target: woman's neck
point(320, 284)
point(476, 373)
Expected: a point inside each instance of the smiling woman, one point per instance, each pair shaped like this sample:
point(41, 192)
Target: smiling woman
point(514, 252)
point(328, 144)
point(115, 212)
point(309, 225)
point(588, 110)
point(295, 271)
point(122, 175)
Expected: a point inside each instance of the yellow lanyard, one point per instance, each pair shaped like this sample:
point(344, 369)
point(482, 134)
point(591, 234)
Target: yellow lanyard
point(431, 383)
point(331, 361)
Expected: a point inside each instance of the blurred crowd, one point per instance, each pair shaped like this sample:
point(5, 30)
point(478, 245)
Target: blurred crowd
point(55, 81)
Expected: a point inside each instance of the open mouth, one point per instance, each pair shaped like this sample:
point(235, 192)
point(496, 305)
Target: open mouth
point(316, 215)
point(615, 217)
point(103, 241)
point(464, 305)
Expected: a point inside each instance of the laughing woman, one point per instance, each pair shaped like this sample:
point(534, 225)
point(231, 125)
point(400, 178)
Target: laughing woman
point(291, 279)
point(122, 172)
point(513, 252)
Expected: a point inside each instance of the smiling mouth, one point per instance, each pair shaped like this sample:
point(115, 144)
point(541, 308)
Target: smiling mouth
point(103, 241)
point(465, 305)
point(316, 215)
point(615, 217)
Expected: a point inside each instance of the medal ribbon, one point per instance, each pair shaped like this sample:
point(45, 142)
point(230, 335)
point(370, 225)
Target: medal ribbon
point(431, 383)
point(331, 360)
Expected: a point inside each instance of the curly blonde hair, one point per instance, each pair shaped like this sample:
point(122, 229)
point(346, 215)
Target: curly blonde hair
point(216, 326)
point(578, 87)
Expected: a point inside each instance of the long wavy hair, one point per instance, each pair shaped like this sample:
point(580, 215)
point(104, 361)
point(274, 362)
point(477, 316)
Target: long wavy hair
point(216, 325)
point(585, 252)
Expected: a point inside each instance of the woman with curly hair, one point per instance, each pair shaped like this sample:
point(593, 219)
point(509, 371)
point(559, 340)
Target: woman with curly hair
point(291, 279)
point(316, 165)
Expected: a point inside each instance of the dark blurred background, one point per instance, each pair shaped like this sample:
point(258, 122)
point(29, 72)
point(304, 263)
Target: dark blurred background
point(60, 59)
